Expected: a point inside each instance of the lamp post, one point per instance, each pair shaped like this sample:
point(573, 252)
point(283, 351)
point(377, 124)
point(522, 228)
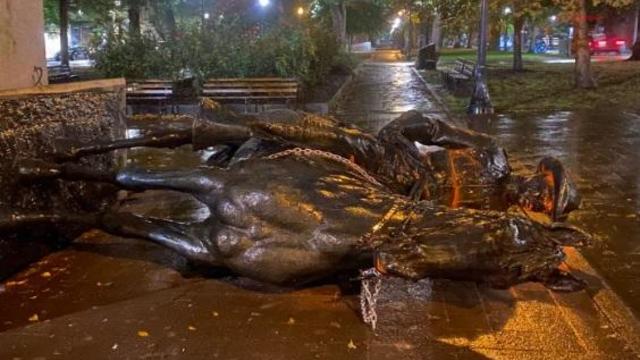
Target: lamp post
point(480, 101)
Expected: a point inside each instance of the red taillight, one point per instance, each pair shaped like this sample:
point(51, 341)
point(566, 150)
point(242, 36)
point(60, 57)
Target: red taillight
point(620, 42)
point(602, 44)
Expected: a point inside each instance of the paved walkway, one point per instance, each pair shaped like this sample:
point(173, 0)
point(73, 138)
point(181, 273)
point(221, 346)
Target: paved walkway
point(382, 89)
point(112, 298)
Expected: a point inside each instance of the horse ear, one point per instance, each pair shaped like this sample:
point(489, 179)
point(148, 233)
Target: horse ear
point(565, 192)
point(569, 235)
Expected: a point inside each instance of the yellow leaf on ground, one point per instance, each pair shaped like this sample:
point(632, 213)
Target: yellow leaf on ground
point(34, 317)
point(191, 328)
point(143, 333)
point(291, 321)
point(351, 345)
point(46, 274)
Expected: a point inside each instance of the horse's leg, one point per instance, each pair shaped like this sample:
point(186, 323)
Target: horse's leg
point(66, 149)
point(177, 237)
point(193, 181)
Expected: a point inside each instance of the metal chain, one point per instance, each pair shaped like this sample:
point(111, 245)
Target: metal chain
point(326, 155)
point(369, 290)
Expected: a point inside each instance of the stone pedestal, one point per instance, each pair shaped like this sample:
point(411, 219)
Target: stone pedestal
point(30, 121)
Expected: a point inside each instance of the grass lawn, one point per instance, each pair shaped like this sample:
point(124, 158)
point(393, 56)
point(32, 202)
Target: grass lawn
point(546, 87)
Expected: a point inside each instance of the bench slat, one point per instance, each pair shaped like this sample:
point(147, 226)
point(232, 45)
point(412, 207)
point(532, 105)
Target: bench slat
point(248, 91)
point(272, 79)
point(244, 85)
point(252, 97)
point(229, 89)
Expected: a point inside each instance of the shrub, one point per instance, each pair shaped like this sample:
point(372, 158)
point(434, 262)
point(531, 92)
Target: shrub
point(226, 48)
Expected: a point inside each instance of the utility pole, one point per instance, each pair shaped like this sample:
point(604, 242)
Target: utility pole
point(480, 101)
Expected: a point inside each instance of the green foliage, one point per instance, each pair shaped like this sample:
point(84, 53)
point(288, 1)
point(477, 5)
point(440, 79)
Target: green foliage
point(228, 47)
point(367, 17)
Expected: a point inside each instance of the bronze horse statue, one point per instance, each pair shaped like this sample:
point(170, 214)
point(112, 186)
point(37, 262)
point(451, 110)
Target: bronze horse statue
point(288, 214)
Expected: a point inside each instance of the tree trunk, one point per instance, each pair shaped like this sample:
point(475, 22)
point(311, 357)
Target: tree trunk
point(533, 32)
point(583, 75)
point(436, 30)
point(635, 54)
point(494, 37)
point(170, 21)
point(518, 23)
point(470, 34)
point(134, 17)
point(339, 22)
point(64, 35)
point(409, 45)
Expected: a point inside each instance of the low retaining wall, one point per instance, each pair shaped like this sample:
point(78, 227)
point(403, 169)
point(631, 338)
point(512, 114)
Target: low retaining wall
point(30, 121)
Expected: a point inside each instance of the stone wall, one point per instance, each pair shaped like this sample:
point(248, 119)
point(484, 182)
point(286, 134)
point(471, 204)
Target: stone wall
point(29, 124)
point(22, 52)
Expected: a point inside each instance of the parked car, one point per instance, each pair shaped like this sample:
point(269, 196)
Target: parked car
point(75, 53)
point(601, 43)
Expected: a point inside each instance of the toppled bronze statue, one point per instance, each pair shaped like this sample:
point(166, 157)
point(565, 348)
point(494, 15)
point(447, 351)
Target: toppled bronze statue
point(288, 214)
point(470, 170)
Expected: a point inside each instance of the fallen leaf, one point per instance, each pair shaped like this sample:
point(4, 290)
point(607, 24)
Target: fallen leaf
point(291, 321)
point(143, 333)
point(46, 274)
point(335, 324)
point(34, 317)
point(114, 347)
point(215, 314)
point(351, 345)
point(191, 328)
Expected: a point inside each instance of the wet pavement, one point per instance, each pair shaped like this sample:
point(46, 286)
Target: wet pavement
point(601, 149)
point(112, 298)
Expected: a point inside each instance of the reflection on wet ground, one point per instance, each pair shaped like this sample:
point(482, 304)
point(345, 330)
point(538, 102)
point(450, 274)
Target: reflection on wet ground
point(602, 149)
point(380, 93)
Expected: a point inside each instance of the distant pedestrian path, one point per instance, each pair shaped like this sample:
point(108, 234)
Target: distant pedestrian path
point(383, 88)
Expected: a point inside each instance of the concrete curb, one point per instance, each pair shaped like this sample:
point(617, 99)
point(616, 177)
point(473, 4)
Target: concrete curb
point(607, 301)
point(438, 100)
point(339, 93)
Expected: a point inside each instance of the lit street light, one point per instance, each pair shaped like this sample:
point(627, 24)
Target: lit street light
point(396, 24)
point(300, 11)
point(264, 3)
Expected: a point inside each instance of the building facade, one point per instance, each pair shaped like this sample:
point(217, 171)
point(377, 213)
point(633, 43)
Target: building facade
point(22, 52)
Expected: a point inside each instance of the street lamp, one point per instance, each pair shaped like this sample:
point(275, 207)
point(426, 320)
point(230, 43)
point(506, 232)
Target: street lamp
point(264, 3)
point(300, 11)
point(480, 101)
point(396, 24)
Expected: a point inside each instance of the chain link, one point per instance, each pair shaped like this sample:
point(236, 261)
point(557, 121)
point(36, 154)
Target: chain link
point(326, 155)
point(369, 290)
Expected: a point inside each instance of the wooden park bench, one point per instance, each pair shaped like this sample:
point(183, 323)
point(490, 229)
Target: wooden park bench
point(60, 74)
point(459, 80)
point(150, 92)
point(252, 92)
